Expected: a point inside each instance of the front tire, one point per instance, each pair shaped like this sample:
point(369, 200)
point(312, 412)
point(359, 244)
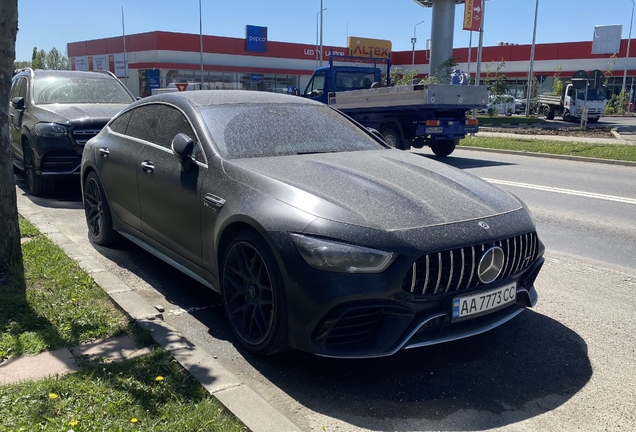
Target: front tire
point(38, 185)
point(443, 148)
point(97, 210)
point(566, 116)
point(254, 296)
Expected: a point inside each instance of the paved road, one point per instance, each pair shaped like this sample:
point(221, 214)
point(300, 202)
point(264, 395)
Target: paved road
point(569, 364)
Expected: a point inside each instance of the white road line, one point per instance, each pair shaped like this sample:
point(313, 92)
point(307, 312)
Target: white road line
point(564, 191)
point(182, 311)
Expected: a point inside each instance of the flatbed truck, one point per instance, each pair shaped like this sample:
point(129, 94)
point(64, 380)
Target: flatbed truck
point(433, 115)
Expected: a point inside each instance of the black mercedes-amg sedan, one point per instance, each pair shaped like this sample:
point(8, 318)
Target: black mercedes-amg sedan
point(317, 234)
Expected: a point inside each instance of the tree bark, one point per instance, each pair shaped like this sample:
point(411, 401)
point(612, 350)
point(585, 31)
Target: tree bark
point(10, 251)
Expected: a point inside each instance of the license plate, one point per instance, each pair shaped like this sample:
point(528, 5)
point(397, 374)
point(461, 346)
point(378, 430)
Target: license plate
point(430, 130)
point(484, 301)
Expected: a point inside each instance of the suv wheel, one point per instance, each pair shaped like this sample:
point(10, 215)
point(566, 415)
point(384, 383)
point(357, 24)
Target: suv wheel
point(38, 185)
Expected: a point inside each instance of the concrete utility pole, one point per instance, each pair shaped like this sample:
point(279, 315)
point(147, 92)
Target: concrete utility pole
point(321, 11)
point(629, 41)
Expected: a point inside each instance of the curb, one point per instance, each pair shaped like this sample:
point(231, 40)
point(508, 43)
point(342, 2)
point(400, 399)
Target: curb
point(551, 156)
point(254, 411)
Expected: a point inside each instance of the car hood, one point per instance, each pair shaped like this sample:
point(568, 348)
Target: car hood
point(77, 113)
point(383, 189)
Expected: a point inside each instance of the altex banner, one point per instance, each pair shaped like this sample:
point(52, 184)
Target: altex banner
point(361, 47)
point(472, 15)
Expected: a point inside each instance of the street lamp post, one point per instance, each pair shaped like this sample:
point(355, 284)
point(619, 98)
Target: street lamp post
point(201, 41)
point(530, 81)
point(318, 49)
point(413, 40)
point(629, 40)
point(321, 11)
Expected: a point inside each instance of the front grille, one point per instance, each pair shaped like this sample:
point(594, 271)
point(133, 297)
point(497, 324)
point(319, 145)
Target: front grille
point(81, 136)
point(455, 270)
point(354, 326)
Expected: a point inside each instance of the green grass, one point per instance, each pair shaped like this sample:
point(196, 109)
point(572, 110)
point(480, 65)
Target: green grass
point(620, 152)
point(50, 302)
point(116, 397)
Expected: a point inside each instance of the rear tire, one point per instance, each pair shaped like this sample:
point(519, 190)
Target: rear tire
point(254, 295)
point(38, 185)
point(549, 114)
point(443, 148)
point(97, 210)
point(392, 138)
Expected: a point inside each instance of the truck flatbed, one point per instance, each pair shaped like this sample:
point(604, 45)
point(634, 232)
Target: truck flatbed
point(431, 96)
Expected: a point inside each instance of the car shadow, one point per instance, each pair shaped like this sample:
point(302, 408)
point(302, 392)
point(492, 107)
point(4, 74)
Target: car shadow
point(464, 162)
point(66, 194)
point(522, 369)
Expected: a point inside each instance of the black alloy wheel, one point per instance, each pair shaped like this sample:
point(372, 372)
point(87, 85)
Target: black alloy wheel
point(97, 210)
point(253, 295)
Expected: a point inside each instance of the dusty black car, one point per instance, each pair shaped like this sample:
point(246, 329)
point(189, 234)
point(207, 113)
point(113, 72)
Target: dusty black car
point(52, 115)
point(317, 234)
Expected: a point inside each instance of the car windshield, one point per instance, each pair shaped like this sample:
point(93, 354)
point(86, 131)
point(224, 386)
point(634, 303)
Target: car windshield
point(76, 90)
point(260, 130)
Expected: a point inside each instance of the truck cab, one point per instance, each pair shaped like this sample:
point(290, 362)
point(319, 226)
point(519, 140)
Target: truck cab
point(342, 78)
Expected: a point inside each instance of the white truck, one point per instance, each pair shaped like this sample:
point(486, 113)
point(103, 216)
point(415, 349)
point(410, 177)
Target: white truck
point(570, 103)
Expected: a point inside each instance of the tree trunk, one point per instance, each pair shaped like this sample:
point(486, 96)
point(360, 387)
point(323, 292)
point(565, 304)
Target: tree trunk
point(10, 251)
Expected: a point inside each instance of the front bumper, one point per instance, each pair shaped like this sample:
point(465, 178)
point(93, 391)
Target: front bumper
point(375, 315)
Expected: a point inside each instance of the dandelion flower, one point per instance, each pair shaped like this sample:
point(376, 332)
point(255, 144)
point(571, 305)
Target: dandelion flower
point(73, 423)
point(134, 420)
point(159, 378)
point(53, 395)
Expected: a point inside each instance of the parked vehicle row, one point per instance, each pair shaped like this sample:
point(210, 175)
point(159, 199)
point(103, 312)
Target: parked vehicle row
point(317, 234)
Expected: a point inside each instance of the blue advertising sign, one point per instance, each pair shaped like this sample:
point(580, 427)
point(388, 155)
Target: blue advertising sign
point(153, 78)
point(255, 38)
point(257, 77)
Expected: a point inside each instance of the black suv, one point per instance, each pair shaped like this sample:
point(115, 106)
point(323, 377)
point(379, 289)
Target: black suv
point(52, 115)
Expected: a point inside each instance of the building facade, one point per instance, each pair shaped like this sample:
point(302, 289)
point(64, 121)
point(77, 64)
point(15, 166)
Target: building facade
point(152, 60)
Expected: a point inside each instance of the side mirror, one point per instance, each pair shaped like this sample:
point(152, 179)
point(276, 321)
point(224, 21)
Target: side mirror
point(18, 102)
point(182, 146)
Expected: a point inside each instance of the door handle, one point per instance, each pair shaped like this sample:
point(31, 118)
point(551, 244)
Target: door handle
point(147, 166)
point(104, 151)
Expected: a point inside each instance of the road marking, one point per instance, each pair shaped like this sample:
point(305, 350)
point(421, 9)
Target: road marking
point(177, 312)
point(564, 191)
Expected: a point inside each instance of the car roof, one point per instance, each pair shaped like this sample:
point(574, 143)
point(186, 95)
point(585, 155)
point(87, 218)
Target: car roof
point(70, 73)
point(227, 97)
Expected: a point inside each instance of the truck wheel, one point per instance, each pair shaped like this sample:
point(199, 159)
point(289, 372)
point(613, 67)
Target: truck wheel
point(566, 116)
point(443, 148)
point(392, 138)
point(593, 120)
point(548, 113)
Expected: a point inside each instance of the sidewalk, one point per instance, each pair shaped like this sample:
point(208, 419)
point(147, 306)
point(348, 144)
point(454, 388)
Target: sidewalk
point(256, 413)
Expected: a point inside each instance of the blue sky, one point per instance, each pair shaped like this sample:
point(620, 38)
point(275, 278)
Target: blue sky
point(46, 23)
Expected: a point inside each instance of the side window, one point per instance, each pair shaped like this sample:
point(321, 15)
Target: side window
point(316, 84)
point(18, 88)
point(143, 122)
point(120, 124)
point(172, 122)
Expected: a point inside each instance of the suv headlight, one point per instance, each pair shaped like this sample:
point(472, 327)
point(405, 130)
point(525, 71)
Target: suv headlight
point(51, 130)
point(341, 257)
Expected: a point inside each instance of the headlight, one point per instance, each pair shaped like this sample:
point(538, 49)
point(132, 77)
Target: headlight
point(50, 130)
point(341, 257)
